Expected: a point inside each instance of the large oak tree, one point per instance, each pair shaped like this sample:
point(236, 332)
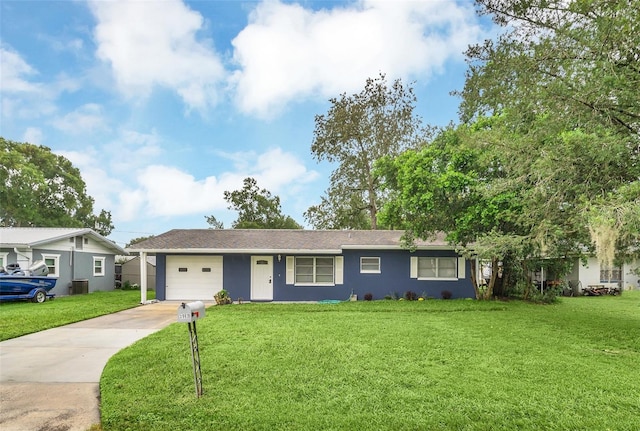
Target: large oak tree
point(40, 188)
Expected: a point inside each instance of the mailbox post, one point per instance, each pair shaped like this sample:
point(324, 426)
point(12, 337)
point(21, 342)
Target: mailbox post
point(189, 313)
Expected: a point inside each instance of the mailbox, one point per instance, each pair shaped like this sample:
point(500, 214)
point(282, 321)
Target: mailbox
point(190, 312)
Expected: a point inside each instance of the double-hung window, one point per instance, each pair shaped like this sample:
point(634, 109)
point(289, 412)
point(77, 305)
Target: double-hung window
point(98, 266)
point(437, 268)
point(314, 270)
point(53, 264)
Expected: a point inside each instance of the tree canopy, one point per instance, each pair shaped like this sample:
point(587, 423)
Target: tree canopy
point(577, 60)
point(356, 131)
point(547, 160)
point(40, 188)
point(511, 194)
point(257, 209)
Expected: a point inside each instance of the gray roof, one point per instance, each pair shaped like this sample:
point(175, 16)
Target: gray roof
point(277, 241)
point(39, 236)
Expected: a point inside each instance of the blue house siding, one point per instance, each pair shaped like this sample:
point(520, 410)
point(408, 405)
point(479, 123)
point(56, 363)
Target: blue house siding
point(161, 277)
point(236, 275)
point(394, 277)
point(83, 270)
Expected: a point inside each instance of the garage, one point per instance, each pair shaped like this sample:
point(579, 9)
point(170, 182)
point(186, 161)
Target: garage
point(193, 277)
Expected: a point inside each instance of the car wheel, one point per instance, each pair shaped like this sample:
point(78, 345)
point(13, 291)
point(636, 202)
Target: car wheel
point(40, 296)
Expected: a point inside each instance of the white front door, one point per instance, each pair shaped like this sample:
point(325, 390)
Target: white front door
point(262, 278)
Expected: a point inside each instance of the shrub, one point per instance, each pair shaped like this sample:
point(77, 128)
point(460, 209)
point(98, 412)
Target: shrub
point(410, 296)
point(223, 297)
point(368, 296)
point(446, 294)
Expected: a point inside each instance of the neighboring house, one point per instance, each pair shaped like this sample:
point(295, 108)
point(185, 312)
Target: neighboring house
point(77, 255)
point(592, 274)
point(130, 270)
point(301, 265)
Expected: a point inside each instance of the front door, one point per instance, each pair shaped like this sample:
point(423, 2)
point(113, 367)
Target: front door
point(262, 278)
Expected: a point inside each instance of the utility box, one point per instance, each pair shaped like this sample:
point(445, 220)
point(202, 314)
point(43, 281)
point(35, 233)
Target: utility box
point(79, 287)
point(190, 312)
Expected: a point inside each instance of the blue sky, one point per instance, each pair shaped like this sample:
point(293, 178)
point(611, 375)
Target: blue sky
point(165, 104)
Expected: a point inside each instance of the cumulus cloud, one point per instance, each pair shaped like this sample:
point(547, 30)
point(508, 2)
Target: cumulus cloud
point(161, 190)
point(285, 53)
point(288, 52)
point(87, 118)
point(23, 96)
point(33, 135)
point(16, 72)
point(151, 43)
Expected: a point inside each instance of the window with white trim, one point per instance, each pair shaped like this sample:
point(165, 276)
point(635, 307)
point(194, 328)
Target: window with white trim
point(370, 265)
point(53, 263)
point(314, 270)
point(437, 267)
point(98, 266)
point(3, 259)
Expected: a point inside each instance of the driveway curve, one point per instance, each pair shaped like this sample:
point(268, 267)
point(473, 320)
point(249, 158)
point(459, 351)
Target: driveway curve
point(49, 380)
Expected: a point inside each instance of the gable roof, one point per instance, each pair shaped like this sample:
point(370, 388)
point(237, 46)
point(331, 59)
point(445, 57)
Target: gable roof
point(277, 241)
point(39, 236)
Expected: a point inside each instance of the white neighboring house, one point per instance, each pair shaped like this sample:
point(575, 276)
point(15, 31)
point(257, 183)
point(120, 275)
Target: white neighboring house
point(592, 274)
point(79, 257)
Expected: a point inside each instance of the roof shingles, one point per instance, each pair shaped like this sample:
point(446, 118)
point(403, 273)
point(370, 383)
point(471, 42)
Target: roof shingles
point(276, 239)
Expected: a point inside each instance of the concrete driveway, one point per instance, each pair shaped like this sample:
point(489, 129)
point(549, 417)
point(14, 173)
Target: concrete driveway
point(49, 381)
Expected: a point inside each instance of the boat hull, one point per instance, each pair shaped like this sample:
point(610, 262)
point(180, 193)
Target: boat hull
point(23, 284)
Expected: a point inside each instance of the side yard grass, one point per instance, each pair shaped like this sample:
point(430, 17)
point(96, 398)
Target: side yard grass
point(387, 365)
point(21, 318)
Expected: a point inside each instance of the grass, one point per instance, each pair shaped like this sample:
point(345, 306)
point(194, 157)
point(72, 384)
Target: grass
point(387, 365)
point(21, 318)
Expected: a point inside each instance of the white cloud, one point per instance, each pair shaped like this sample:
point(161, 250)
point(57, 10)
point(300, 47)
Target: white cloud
point(288, 52)
point(33, 135)
point(169, 191)
point(87, 118)
point(160, 190)
point(22, 95)
point(15, 73)
point(150, 43)
point(25, 92)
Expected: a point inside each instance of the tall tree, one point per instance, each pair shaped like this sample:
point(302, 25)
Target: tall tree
point(257, 208)
point(445, 187)
point(355, 132)
point(578, 60)
point(576, 64)
point(515, 195)
point(39, 188)
point(214, 223)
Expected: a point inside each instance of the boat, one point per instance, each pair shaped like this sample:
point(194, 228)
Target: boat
point(32, 284)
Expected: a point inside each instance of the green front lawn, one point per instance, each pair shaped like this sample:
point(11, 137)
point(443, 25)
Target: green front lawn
point(22, 317)
point(387, 365)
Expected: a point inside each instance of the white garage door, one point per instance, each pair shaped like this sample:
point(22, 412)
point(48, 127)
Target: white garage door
point(193, 277)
